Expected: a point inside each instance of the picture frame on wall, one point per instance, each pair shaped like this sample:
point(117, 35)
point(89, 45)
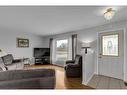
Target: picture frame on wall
point(22, 43)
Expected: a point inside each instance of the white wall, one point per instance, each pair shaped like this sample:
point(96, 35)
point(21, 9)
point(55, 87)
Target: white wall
point(46, 41)
point(90, 35)
point(8, 42)
point(88, 65)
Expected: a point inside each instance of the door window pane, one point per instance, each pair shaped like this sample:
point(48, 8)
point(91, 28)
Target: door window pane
point(110, 45)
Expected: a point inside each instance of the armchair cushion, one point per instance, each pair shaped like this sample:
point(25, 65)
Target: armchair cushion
point(7, 59)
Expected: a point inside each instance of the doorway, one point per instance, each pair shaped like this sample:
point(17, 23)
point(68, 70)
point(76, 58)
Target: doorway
point(111, 54)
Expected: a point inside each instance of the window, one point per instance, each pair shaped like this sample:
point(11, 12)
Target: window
point(110, 45)
point(61, 50)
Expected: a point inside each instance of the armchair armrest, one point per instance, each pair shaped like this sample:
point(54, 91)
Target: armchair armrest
point(70, 61)
point(73, 66)
point(17, 60)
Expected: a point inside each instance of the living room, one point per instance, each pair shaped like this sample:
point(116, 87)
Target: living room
point(63, 47)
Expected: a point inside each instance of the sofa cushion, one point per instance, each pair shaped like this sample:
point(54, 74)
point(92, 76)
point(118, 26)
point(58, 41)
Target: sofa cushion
point(26, 79)
point(1, 69)
point(31, 83)
point(23, 74)
point(7, 59)
point(11, 66)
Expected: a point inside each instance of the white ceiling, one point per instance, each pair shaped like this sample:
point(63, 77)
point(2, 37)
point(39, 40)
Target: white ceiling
point(50, 20)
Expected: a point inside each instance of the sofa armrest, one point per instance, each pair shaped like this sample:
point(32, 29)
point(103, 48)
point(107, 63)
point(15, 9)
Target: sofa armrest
point(69, 61)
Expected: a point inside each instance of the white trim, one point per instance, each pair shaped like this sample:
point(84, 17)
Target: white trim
point(87, 81)
point(125, 49)
point(125, 54)
point(97, 54)
point(111, 30)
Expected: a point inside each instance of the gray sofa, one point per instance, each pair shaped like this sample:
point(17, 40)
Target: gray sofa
point(28, 79)
point(7, 62)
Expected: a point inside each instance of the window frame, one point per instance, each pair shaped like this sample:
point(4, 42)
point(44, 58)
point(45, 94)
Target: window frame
point(102, 45)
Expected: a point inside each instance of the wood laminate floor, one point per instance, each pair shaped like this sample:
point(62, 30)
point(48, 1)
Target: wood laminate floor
point(62, 82)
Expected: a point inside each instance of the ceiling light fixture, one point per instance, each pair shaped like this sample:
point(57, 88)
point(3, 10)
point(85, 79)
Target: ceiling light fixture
point(109, 14)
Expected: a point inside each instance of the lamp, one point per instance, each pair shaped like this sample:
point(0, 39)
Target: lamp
point(85, 46)
point(109, 13)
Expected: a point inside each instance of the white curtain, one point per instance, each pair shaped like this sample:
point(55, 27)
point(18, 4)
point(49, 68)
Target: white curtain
point(54, 51)
point(74, 46)
point(70, 48)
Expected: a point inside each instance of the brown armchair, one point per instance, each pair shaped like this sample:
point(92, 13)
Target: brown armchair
point(73, 68)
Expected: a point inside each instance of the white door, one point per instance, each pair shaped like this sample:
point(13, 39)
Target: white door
point(111, 54)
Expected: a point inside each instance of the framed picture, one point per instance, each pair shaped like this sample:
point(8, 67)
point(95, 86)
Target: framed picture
point(21, 42)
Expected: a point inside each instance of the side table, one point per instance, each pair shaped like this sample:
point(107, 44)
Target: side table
point(26, 61)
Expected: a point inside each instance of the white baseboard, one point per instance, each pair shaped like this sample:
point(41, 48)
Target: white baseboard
point(95, 73)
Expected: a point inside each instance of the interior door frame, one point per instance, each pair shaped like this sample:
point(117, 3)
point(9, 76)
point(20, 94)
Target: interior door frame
point(125, 49)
